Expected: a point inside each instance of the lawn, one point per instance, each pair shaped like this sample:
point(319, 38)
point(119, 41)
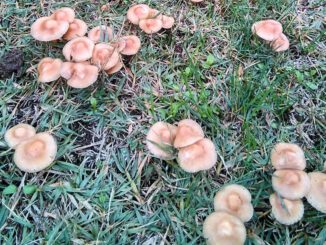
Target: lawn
point(104, 187)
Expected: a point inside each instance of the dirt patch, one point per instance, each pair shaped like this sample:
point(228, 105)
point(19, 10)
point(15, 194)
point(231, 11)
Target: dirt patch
point(11, 62)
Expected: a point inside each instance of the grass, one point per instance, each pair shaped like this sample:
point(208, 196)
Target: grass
point(104, 187)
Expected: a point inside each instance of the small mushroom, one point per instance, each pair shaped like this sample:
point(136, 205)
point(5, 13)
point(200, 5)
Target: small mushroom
point(236, 200)
point(189, 132)
point(137, 13)
point(291, 184)
point(167, 22)
point(281, 43)
point(79, 75)
point(288, 156)
point(49, 70)
point(78, 49)
point(119, 44)
point(100, 34)
point(64, 14)
point(151, 26)
point(105, 56)
point(285, 211)
point(46, 29)
point(77, 28)
point(36, 153)
point(317, 193)
point(132, 45)
point(268, 30)
point(18, 134)
point(198, 156)
point(160, 139)
point(222, 228)
point(115, 68)
point(196, 1)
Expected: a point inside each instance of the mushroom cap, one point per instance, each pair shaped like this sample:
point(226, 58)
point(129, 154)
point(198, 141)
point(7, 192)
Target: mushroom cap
point(78, 49)
point(119, 44)
point(160, 139)
point(291, 184)
point(151, 26)
point(36, 153)
point(285, 211)
point(222, 228)
point(189, 132)
point(268, 30)
point(100, 34)
point(288, 156)
point(47, 29)
point(167, 22)
point(281, 43)
point(236, 200)
point(198, 156)
point(79, 75)
point(137, 13)
point(64, 14)
point(196, 1)
point(115, 68)
point(49, 70)
point(105, 56)
point(317, 193)
point(132, 45)
point(18, 134)
point(77, 28)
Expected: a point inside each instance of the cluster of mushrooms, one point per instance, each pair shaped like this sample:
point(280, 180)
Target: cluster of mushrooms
point(186, 142)
point(291, 184)
point(86, 56)
point(272, 32)
point(33, 151)
point(232, 207)
point(148, 19)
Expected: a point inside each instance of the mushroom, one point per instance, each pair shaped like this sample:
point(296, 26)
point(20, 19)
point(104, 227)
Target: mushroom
point(115, 68)
point(160, 139)
point(189, 132)
point(49, 70)
point(288, 156)
point(196, 1)
point(167, 22)
point(119, 44)
point(268, 30)
point(100, 34)
point(151, 26)
point(281, 43)
point(137, 13)
point(291, 184)
point(222, 228)
point(77, 28)
point(132, 45)
point(105, 56)
point(236, 200)
point(317, 193)
point(47, 29)
point(79, 75)
point(285, 211)
point(78, 49)
point(198, 156)
point(64, 14)
point(36, 153)
point(18, 134)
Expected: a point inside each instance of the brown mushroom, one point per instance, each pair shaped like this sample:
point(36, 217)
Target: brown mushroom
point(167, 22)
point(115, 68)
point(151, 26)
point(18, 134)
point(137, 13)
point(78, 49)
point(105, 56)
point(100, 34)
point(49, 70)
point(47, 29)
point(189, 132)
point(64, 14)
point(281, 43)
point(132, 45)
point(317, 193)
point(268, 30)
point(77, 28)
point(288, 156)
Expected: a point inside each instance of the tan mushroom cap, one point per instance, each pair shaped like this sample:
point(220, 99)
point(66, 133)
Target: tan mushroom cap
point(167, 22)
point(137, 13)
point(36, 153)
point(160, 139)
point(236, 200)
point(151, 26)
point(285, 211)
point(100, 34)
point(18, 134)
point(46, 29)
point(132, 45)
point(317, 193)
point(49, 70)
point(268, 30)
point(198, 156)
point(189, 132)
point(115, 68)
point(154, 14)
point(64, 14)
point(78, 49)
point(77, 28)
point(291, 184)
point(79, 75)
point(281, 43)
point(105, 56)
point(196, 1)
point(288, 156)
point(222, 228)
point(119, 44)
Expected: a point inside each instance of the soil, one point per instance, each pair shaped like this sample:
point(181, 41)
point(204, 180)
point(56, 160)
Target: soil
point(11, 62)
